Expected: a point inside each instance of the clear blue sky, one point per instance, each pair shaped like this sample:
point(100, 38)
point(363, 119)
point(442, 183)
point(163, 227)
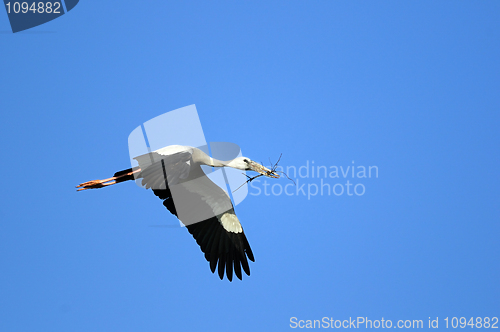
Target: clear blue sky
point(411, 87)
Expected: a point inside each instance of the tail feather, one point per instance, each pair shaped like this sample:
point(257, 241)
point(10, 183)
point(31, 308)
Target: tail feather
point(130, 171)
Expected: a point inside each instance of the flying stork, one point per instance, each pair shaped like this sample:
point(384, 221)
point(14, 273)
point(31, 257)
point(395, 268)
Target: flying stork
point(175, 175)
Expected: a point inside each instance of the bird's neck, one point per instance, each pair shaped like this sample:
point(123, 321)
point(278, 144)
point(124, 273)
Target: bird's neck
point(218, 163)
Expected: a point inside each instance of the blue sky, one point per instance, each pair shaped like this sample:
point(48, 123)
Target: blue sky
point(410, 87)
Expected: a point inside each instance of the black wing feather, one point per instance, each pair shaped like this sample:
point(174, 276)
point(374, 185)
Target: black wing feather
point(226, 249)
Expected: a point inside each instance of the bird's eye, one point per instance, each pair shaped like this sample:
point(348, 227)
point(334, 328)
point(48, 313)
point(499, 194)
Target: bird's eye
point(245, 160)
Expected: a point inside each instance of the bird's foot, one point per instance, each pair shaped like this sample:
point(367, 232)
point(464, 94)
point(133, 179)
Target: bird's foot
point(94, 184)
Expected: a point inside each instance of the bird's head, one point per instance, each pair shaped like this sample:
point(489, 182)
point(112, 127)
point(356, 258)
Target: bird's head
point(246, 164)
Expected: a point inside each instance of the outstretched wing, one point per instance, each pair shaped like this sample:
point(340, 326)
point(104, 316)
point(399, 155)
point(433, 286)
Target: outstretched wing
point(203, 207)
point(227, 249)
point(156, 168)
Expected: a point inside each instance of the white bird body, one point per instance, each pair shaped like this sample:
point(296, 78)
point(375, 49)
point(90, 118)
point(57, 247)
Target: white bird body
point(175, 175)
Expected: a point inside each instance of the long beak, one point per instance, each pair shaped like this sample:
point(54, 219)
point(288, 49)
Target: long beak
point(265, 171)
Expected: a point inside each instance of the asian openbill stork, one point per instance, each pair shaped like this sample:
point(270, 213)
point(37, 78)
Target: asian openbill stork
point(175, 175)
